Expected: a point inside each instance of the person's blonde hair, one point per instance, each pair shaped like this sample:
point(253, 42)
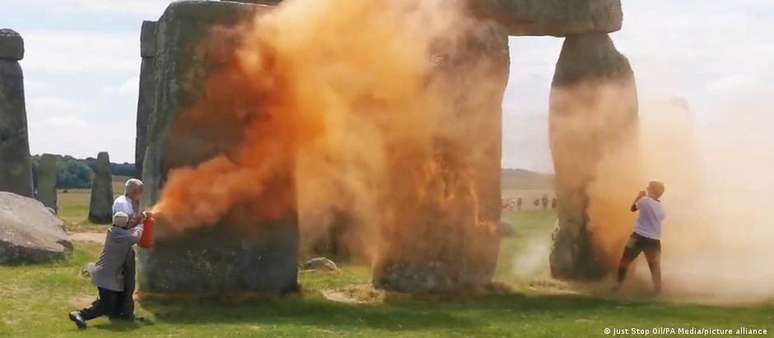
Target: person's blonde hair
point(657, 188)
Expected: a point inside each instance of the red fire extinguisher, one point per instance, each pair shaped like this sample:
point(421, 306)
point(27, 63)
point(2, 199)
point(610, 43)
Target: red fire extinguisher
point(146, 241)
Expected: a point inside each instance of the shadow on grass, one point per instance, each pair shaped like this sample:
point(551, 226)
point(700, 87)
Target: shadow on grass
point(122, 325)
point(313, 312)
point(414, 314)
point(465, 313)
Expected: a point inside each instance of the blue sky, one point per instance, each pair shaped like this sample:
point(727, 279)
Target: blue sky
point(82, 63)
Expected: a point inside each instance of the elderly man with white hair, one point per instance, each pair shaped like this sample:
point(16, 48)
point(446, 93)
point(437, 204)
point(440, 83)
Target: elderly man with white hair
point(129, 202)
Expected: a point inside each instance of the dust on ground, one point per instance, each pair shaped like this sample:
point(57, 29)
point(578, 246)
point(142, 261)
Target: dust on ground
point(93, 237)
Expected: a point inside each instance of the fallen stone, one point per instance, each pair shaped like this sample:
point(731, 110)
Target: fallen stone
point(101, 205)
point(11, 45)
point(552, 17)
point(320, 263)
point(47, 173)
point(29, 233)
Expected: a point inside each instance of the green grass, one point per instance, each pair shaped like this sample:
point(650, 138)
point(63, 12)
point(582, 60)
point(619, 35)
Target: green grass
point(74, 207)
point(34, 301)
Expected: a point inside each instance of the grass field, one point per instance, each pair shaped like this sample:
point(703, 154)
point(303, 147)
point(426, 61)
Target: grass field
point(34, 301)
point(74, 206)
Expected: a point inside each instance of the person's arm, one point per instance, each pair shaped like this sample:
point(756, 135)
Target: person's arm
point(137, 219)
point(136, 233)
point(640, 195)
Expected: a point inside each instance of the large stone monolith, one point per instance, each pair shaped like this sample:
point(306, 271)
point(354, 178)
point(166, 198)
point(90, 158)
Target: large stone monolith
point(101, 206)
point(444, 236)
point(229, 257)
point(593, 117)
point(47, 181)
point(15, 163)
point(147, 94)
point(552, 17)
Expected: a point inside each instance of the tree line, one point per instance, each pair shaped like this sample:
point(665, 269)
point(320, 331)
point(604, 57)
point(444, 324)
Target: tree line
point(74, 173)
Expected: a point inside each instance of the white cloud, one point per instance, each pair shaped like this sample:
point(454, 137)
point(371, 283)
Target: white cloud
point(144, 8)
point(67, 121)
point(130, 87)
point(148, 8)
point(81, 52)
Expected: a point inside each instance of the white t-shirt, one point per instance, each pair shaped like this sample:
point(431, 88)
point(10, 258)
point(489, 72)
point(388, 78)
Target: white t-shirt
point(650, 218)
point(123, 204)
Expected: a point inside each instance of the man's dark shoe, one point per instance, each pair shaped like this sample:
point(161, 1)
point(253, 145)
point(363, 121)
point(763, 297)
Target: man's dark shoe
point(75, 316)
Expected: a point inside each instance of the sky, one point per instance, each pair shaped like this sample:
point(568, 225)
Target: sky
point(82, 69)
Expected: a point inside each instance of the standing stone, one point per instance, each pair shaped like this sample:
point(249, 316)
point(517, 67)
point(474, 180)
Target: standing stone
point(233, 256)
point(15, 163)
point(47, 181)
point(147, 94)
point(101, 206)
point(593, 114)
point(446, 210)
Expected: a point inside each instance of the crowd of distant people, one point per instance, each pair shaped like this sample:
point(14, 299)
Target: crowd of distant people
point(517, 204)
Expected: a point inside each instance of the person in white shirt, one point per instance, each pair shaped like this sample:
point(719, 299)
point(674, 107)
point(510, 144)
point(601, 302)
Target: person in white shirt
point(129, 202)
point(647, 234)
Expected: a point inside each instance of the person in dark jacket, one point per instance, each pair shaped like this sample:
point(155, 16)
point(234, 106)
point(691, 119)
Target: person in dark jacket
point(108, 274)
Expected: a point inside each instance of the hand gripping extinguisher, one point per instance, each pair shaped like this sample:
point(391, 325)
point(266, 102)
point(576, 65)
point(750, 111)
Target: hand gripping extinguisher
point(146, 241)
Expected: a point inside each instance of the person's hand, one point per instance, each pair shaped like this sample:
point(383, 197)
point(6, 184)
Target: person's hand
point(147, 214)
point(642, 194)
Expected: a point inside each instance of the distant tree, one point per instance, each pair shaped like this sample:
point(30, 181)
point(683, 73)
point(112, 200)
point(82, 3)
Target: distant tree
point(73, 174)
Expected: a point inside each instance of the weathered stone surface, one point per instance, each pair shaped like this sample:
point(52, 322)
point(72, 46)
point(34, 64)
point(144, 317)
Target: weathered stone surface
point(101, 205)
point(29, 232)
point(230, 257)
point(552, 17)
point(11, 45)
point(15, 164)
point(147, 93)
point(593, 112)
point(445, 238)
point(46, 191)
point(148, 39)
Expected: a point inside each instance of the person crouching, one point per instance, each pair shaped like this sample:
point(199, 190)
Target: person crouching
point(107, 274)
